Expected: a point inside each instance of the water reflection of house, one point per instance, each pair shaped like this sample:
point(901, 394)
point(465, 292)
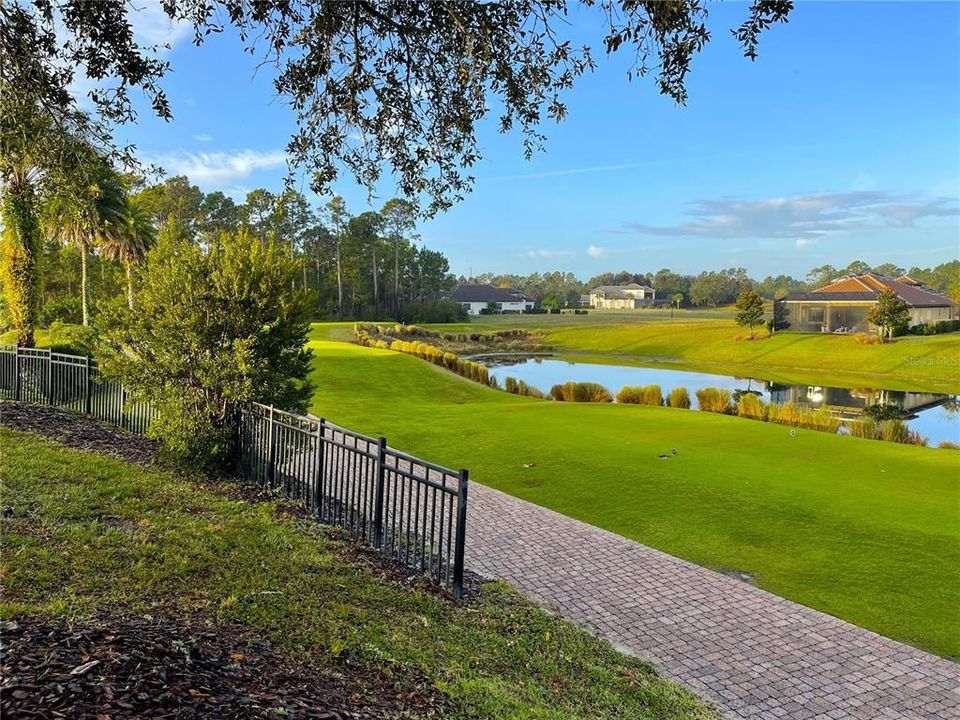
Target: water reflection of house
point(843, 305)
point(850, 403)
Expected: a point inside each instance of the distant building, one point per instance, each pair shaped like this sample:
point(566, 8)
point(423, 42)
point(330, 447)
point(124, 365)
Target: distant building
point(622, 297)
point(842, 306)
point(475, 298)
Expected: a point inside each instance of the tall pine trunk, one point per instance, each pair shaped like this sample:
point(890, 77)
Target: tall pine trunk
point(376, 284)
point(396, 275)
point(339, 284)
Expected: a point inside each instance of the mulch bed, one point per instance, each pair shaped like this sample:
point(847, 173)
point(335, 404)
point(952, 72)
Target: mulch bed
point(78, 431)
point(135, 667)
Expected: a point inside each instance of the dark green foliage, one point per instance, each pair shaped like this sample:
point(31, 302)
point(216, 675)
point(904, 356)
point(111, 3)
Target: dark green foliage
point(749, 310)
point(64, 309)
point(941, 326)
point(72, 339)
point(438, 311)
point(211, 328)
point(890, 313)
point(719, 288)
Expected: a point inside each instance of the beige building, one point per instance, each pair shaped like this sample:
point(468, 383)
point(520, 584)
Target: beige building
point(843, 305)
point(622, 297)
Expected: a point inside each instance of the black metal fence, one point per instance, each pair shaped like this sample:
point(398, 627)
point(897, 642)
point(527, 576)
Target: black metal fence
point(412, 511)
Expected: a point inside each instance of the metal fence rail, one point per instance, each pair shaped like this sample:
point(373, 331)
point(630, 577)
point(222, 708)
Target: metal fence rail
point(412, 511)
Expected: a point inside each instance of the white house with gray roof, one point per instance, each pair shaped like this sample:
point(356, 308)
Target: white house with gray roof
point(477, 297)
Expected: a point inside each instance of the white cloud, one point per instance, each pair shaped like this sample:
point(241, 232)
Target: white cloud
point(549, 253)
point(803, 242)
point(573, 171)
point(203, 137)
point(153, 27)
point(215, 169)
point(807, 217)
point(597, 252)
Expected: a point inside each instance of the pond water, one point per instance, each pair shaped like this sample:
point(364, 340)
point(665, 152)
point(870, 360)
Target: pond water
point(936, 416)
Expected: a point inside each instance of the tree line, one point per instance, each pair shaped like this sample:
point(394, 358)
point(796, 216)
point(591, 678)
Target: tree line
point(712, 288)
point(94, 240)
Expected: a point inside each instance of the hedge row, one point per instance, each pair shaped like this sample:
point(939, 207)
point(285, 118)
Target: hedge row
point(465, 368)
point(399, 331)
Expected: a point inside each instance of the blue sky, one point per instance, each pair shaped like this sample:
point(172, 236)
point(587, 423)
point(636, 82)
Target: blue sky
point(841, 141)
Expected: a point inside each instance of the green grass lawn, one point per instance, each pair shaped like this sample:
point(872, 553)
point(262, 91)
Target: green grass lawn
point(864, 530)
point(84, 534)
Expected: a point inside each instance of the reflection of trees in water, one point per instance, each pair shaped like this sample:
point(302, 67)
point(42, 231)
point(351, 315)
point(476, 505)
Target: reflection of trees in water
point(883, 412)
point(951, 405)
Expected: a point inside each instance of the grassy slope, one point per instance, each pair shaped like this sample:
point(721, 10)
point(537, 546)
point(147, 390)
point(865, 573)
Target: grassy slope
point(707, 342)
point(91, 533)
point(865, 530)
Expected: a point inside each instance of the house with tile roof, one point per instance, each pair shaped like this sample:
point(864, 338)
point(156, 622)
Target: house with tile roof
point(622, 297)
point(843, 305)
point(477, 297)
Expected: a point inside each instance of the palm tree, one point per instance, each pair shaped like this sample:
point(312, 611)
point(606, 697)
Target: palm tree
point(87, 213)
point(130, 243)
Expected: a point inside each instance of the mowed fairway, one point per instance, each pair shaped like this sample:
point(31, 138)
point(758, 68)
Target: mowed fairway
point(864, 530)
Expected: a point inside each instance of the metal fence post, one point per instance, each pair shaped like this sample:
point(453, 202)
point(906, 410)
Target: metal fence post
point(378, 510)
point(50, 399)
point(319, 460)
point(271, 450)
point(461, 539)
point(16, 373)
point(87, 393)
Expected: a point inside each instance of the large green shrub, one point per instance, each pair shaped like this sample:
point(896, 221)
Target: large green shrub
point(72, 339)
point(67, 310)
point(212, 327)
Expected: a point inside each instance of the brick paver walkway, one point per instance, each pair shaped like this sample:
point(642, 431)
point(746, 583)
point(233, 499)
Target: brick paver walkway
point(755, 655)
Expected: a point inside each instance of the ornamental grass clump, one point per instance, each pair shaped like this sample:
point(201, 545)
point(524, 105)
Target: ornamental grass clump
point(898, 432)
point(581, 392)
point(715, 400)
point(640, 395)
point(510, 384)
point(786, 414)
point(821, 419)
point(679, 398)
point(866, 428)
point(751, 406)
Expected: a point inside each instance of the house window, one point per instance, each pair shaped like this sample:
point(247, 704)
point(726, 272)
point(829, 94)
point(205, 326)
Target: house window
point(813, 314)
point(499, 306)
